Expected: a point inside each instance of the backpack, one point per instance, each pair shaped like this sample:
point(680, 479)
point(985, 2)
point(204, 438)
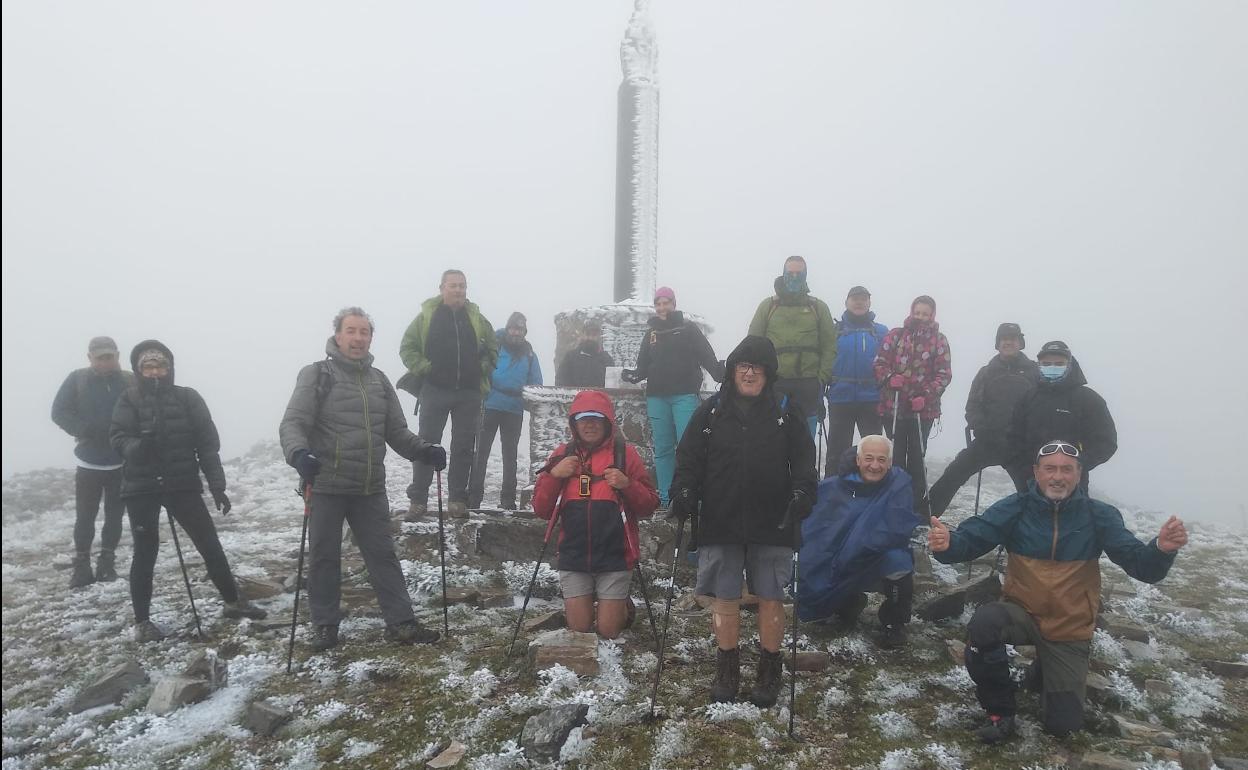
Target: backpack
point(714, 402)
point(799, 349)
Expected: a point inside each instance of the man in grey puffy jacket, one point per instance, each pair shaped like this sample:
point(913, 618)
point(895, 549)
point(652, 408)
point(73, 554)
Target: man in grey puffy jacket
point(340, 418)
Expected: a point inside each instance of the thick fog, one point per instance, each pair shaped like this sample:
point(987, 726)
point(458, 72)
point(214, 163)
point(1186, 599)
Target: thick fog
point(224, 177)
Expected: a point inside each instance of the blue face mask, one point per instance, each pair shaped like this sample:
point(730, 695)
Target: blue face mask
point(794, 284)
point(1053, 372)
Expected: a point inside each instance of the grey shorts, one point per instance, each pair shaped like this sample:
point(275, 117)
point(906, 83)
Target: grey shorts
point(769, 568)
point(605, 585)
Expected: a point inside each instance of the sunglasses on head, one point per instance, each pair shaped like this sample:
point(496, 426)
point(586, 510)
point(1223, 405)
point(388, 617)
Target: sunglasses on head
point(1070, 450)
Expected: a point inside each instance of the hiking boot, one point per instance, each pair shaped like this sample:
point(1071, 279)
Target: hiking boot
point(105, 567)
point(457, 510)
point(147, 631)
point(893, 637)
point(416, 512)
point(243, 609)
point(847, 616)
point(997, 730)
point(727, 675)
point(768, 682)
point(410, 632)
point(324, 637)
point(508, 504)
point(82, 575)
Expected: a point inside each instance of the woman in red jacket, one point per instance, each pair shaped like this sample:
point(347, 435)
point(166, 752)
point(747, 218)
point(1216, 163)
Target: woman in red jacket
point(597, 504)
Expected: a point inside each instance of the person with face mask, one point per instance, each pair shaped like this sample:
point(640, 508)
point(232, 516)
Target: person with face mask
point(1055, 535)
point(166, 438)
point(913, 368)
point(858, 540)
point(1062, 405)
point(517, 368)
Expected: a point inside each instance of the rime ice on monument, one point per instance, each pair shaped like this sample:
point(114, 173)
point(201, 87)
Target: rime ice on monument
point(637, 162)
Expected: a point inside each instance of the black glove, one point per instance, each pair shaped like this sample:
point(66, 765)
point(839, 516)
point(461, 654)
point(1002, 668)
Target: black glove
point(223, 502)
point(800, 506)
point(630, 375)
point(307, 464)
point(682, 506)
point(433, 455)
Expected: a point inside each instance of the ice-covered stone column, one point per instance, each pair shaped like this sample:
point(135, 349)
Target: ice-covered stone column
point(637, 162)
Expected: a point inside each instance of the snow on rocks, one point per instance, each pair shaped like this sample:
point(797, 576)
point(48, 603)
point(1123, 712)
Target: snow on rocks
point(110, 688)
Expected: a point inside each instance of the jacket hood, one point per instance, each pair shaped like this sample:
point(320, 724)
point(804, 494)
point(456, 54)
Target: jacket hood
point(674, 319)
point(592, 401)
point(501, 336)
point(148, 345)
point(753, 350)
point(332, 350)
point(849, 319)
point(913, 326)
point(784, 294)
point(1074, 377)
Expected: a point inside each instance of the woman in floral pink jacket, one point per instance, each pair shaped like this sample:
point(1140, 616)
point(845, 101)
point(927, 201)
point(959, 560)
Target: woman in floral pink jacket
point(913, 369)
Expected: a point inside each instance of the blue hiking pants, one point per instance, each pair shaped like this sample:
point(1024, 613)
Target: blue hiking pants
point(669, 416)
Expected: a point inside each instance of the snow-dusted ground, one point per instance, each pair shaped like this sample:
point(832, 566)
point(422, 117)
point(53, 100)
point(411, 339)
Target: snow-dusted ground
point(369, 704)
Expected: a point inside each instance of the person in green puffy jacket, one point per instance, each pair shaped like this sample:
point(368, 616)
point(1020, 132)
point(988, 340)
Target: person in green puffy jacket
point(803, 330)
point(450, 351)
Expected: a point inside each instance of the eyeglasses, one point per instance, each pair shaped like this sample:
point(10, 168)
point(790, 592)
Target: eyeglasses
point(744, 368)
point(1070, 450)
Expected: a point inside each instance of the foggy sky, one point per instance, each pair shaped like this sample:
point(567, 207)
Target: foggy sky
point(225, 176)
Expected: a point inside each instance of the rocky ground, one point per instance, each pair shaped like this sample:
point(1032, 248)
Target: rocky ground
point(1168, 689)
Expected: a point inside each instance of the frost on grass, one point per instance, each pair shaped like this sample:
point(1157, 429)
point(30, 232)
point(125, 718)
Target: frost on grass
point(894, 725)
point(729, 712)
point(478, 685)
point(1125, 691)
point(931, 755)
point(852, 649)
point(355, 748)
point(1108, 649)
point(577, 747)
point(832, 700)
point(508, 757)
point(517, 576)
point(888, 688)
point(957, 678)
point(1195, 696)
point(668, 746)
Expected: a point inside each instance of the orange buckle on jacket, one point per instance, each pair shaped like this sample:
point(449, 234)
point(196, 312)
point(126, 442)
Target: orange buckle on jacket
point(584, 489)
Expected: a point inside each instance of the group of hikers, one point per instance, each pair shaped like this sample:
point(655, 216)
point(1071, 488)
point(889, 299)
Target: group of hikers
point(738, 467)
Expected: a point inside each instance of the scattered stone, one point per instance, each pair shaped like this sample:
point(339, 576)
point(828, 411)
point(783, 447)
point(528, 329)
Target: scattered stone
point(957, 651)
point(950, 602)
point(808, 661)
point(1122, 629)
point(1232, 763)
point(1185, 613)
point(1158, 688)
point(255, 590)
point(922, 563)
point(449, 757)
point(176, 691)
point(511, 539)
point(263, 718)
point(1139, 731)
point(360, 600)
point(1140, 650)
point(546, 622)
point(1226, 668)
point(575, 650)
point(494, 596)
point(110, 688)
point(208, 666)
point(690, 602)
point(1099, 760)
point(544, 734)
point(1195, 759)
point(272, 623)
point(456, 595)
point(1099, 689)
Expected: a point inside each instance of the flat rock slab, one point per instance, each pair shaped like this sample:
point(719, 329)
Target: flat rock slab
point(456, 595)
point(175, 691)
point(110, 688)
point(493, 596)
point(950, 602)
point(1140, 731)
point(1195, 759)
point(957, 651)
point(1157, 688)
point(544, 734)
point(272, 623)
point(808, 661)
point(1099, 689)
point(263, 718)
point(1140, 650)
point(250, 588)
point(449, 757)
point(548, 621)
point(1226, 668)
point(1099, 760)
point(1232, 763)
point(208, 666)
point(573, 649)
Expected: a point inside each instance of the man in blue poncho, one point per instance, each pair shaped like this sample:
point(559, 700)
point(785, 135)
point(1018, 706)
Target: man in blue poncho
point(857, 540)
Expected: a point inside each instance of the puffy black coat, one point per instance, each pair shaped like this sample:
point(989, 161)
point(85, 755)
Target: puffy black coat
point(1066, 410)
point(744, 458)
point(584, 366)
point(673, 354)
point(165, 435)
point(995, 391)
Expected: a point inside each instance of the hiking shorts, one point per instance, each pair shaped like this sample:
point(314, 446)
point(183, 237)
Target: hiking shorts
point(605, 585)
point(768, 568)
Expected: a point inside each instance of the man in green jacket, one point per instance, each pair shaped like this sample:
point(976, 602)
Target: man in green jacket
point(804, 333)
point(450, 351)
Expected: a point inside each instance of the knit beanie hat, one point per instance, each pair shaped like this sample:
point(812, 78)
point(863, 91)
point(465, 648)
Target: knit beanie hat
point(154, 356)
point(1010, 330)
point(517, 321)
point(665, 291)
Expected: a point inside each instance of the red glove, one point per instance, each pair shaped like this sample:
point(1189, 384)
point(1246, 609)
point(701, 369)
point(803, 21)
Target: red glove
point(897, 381)
point(917, 403)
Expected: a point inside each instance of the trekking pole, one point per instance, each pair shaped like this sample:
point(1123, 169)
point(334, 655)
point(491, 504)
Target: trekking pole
point(821, 446)
point(918, 425)
point(896, 409)
point(645, 594)
point(185, 577)
point(797, 548)
point(979, 481)
point(303, 543)
point(667, 617)
point(550, 528)
point(446, 623)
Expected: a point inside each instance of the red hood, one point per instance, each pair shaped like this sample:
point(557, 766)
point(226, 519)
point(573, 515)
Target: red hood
point(593, 401)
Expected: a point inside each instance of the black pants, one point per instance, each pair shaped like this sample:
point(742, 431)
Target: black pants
point(896, 608)
point(463, 408)
point(970, 461)
point(908, 451)
point(841, 421)
point(188, 509)
point(89, 487)
point(508, 424)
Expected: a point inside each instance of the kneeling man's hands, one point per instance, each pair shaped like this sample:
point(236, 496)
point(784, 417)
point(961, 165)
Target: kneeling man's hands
point(938, 536)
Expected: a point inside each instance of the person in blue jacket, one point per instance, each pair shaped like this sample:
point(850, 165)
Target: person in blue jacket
point(504, 410)
point(858, 540)
point(853, 394)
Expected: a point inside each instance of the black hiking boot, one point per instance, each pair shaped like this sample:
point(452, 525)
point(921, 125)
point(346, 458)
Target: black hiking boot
point(106, 567)
point(410, 632)
point(767, 685)
point(243, 609)
point(416, 512)
point(82, 575)
point(893, 637)
point(997, 730)
point(146, 631)
point(727, 675)
point(324, 637)
point(847, 617)
point(508, 505)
